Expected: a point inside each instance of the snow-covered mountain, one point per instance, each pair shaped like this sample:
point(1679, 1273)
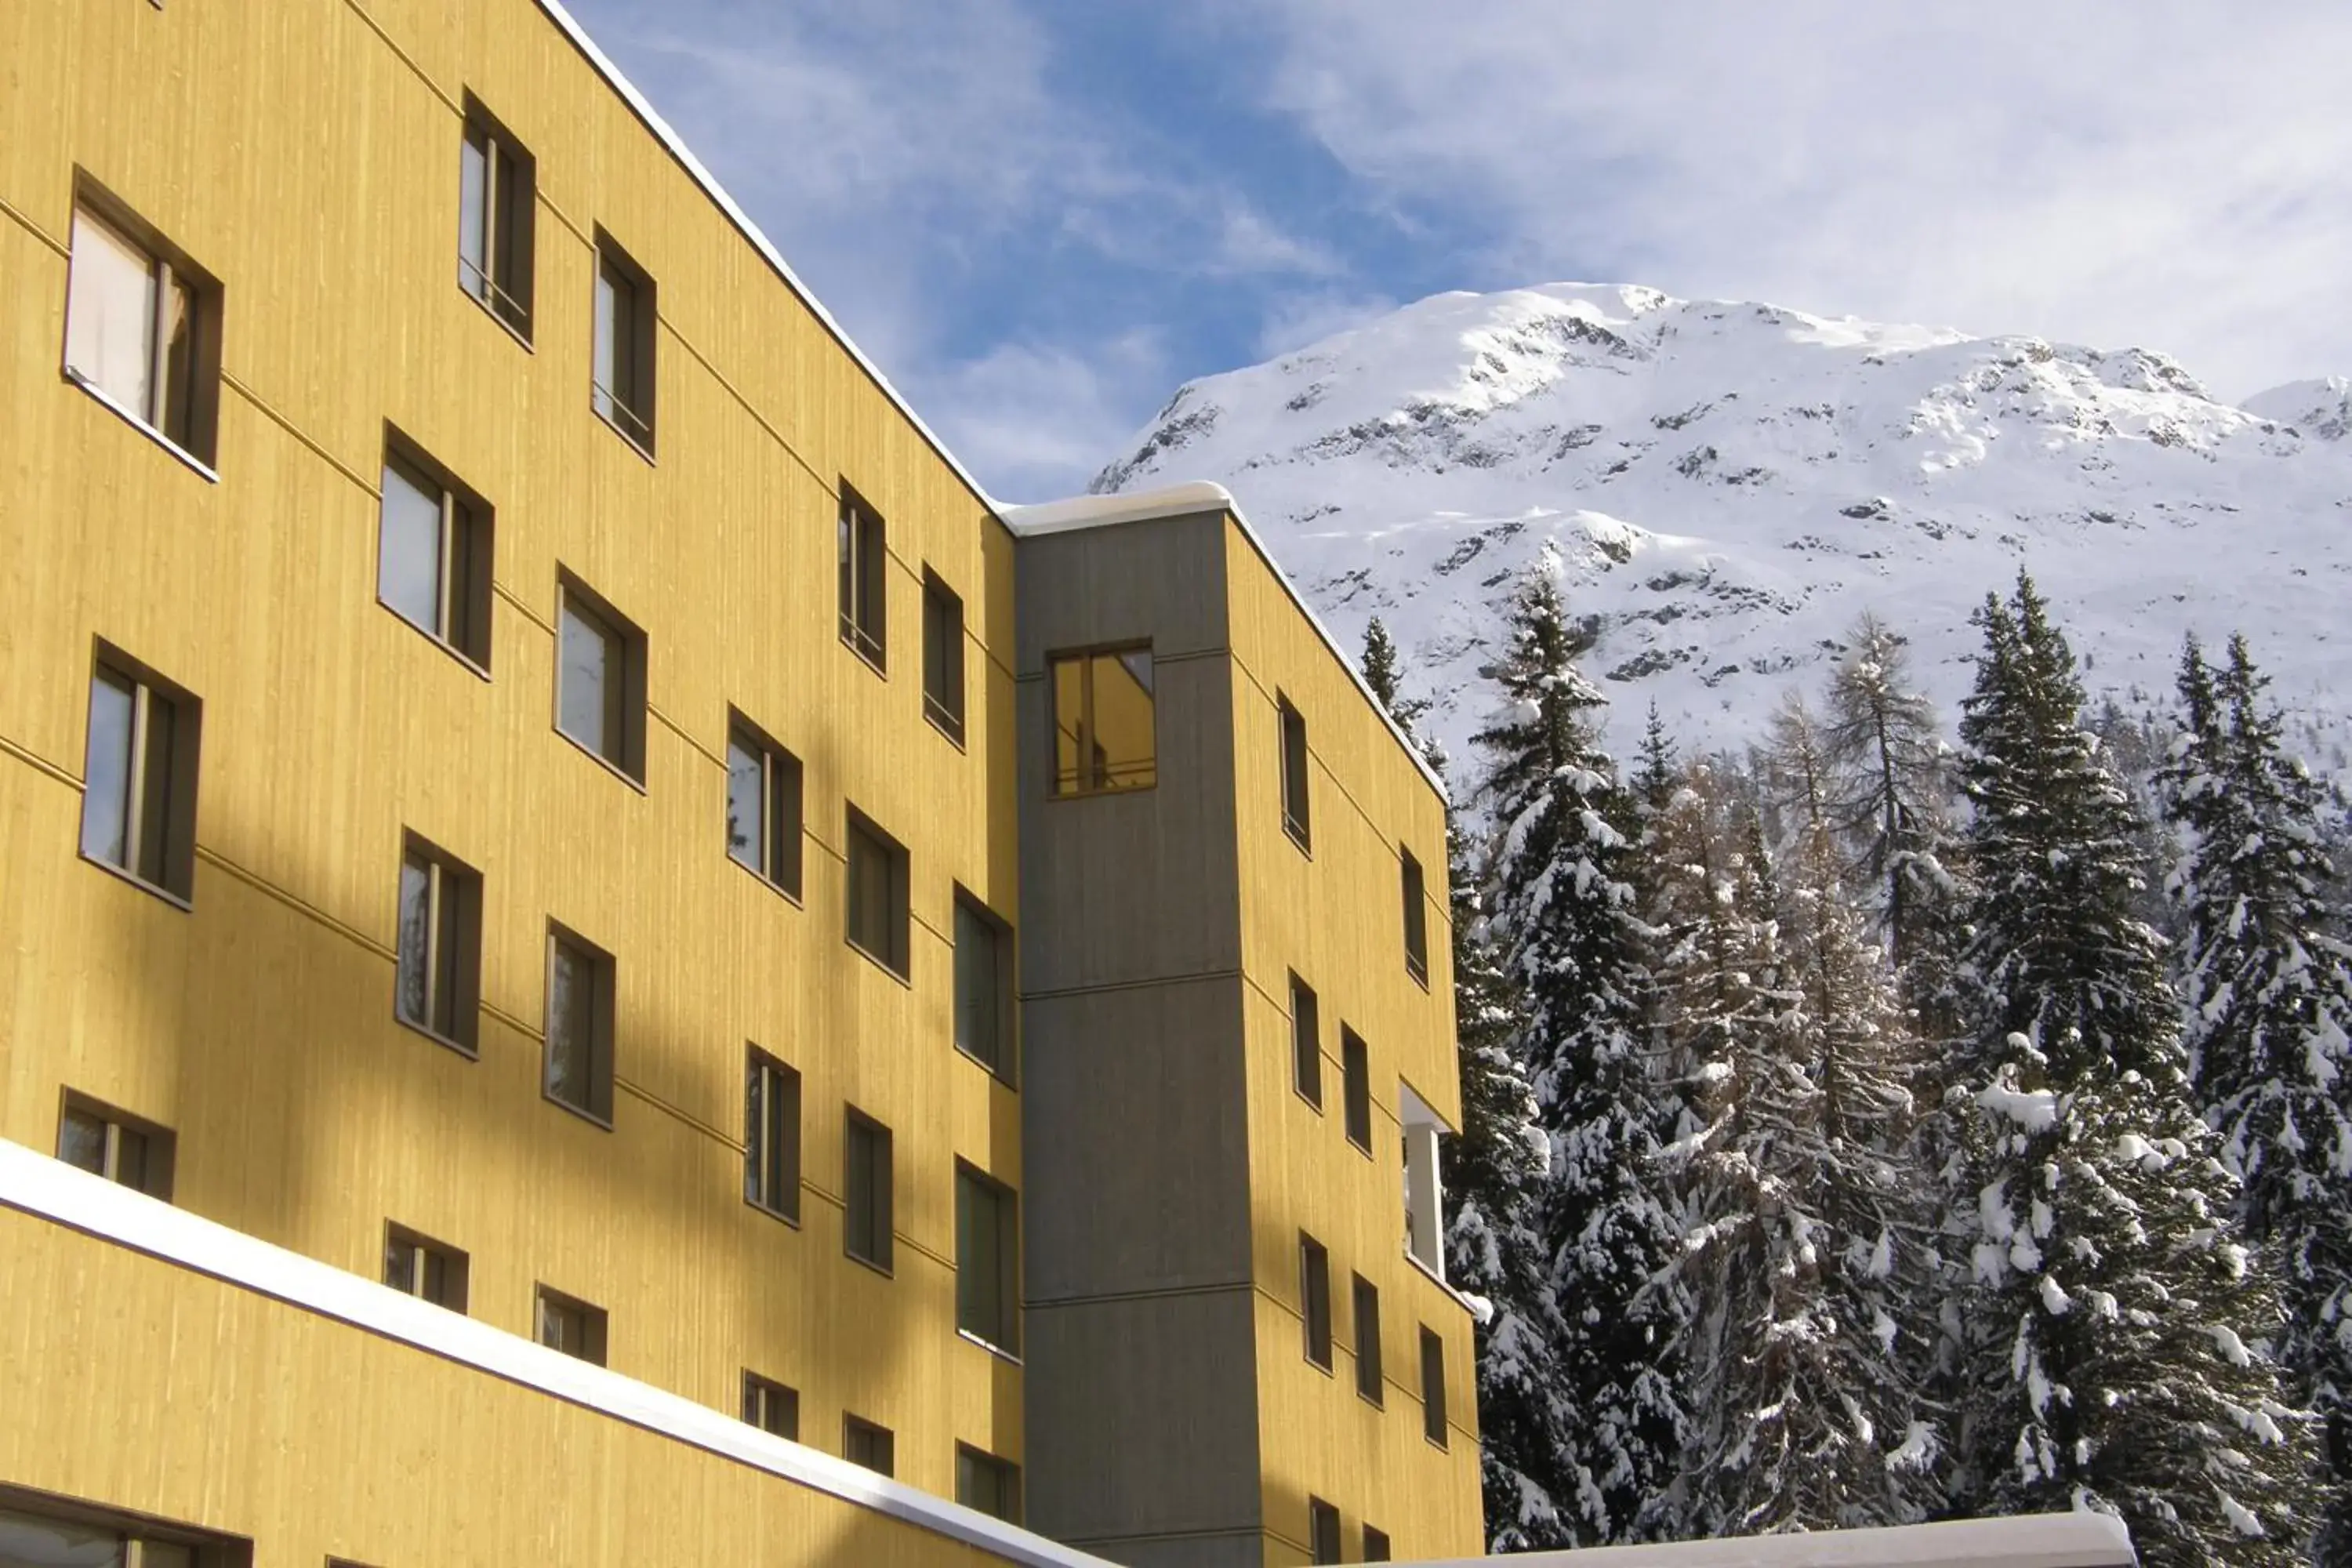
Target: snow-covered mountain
point(1723, 488)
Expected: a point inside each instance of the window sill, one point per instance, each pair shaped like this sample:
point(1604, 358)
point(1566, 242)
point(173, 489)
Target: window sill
point(1360, 1146)
point(616, 426)
point(602, 760)
point(883, 1270)
point(1432, 1275)
point(1310, 1101)
point(869, 653)
point(984, 1065)
point(1379, 1405)
point(1110, 790)
point(443, 644)
point(471, 1053)
point(516, 333)
point(1321, 1366)
point(185, 906)
point(589, 1117)
point(791, 1221)
point(880, 963)
point(1298, 835)
point(136, 423)
point(946, 723)
point(999, 1352)
point(788, 895)
point(1420, 973)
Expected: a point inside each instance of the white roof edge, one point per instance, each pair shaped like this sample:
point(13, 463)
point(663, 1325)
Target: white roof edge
point(50, 1189)
point(678, 149)
point(2078, 1540)
point(1081, 513)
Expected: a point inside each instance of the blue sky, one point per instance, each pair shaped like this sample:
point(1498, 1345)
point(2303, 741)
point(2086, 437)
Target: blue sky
point(1040, 216)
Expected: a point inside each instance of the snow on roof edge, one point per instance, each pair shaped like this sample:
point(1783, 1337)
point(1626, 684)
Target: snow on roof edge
point(2077, 1540)
point(676, 144)
point(1080, 512)
point(34, 1183)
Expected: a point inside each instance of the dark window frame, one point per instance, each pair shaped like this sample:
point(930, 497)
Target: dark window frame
point(876, 1180)
point(198, 436)
point(1297, 795)
point(763, 1397)
point(594, 1324)
point(974, 1186)
point(1005, 1065)
point(1305, 1042)
point(1315, 1300)
point(894, 950)
point(943, 674)
point(626, 407)
point(1376, 1544)
point(1322, 1530)
point(159, 1151)
point(1416, 918)
point(467, 549)
point(1356, 1089)
point(771, 1143)
point(1094, 780)
point(782, 805)
point(456, 1267)
point(1371, 1384)
point(502, 281)
point(971, 1462)
point(170, 873)
point(862, 559)
point(879, 1441)
point(454, 886)
point(625, 701)
point(603, 1008)
point(206, 1549)
point(1432, 1387)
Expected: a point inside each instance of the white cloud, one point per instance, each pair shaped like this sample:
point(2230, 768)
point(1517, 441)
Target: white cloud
point(2163, 172)
point(1036, 420)
point(1294, 320)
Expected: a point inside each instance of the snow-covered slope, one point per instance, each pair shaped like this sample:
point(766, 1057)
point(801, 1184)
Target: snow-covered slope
point(1724, 487)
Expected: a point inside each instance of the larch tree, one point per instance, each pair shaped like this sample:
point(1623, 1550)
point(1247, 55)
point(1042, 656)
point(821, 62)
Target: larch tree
point(2268, 995)
point(1570, 943)
point(2118, 1355)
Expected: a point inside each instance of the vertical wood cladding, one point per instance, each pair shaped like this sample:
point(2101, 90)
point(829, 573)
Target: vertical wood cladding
point(309, 153)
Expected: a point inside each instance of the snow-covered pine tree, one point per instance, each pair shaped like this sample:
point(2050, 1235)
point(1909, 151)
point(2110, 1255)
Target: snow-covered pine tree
point(2118, 1356)
point(1813, 1312)
point(1493, 1174)
point(1571, 942)
point(2269, 1003)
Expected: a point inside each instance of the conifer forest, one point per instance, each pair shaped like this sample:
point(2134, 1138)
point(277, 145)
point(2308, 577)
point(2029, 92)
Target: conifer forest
point(1919, 1116)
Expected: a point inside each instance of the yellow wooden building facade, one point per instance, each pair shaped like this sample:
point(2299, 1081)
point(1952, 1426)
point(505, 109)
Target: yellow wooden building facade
point(651, 431)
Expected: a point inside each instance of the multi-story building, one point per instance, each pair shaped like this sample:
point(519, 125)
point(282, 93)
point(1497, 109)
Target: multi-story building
point(624, 956)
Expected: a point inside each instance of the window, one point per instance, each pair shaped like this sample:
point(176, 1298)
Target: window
point(865, 590)
point(864, 1443)
point(579, 1026)
point(600, 681)
point(571, 1325)
point(763, 806)
point(866, 1220)
point(1315, 1298)
point(1368, 1341)
point(437, 983)
point(1416, 920)
point(1376, 1545)
point(1323, 1527)
point(988, 1484)
point(1293, 772)
point(771, 1135)
point(1306, 1044)
point(988, 1260)
point(942, 656)
point(1103, 737)
point(1356, 1088)
point(495, 181)
point(1422, 1204)
point(106, 1143)
point(68, 1535)
point(425, 1269)
point(139, 776)
point(433, 554)
point(771, 1407)
point(1432, 1387)
point(877, 895)
point(623, 371)
point(142, 327)
point(983, 986)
